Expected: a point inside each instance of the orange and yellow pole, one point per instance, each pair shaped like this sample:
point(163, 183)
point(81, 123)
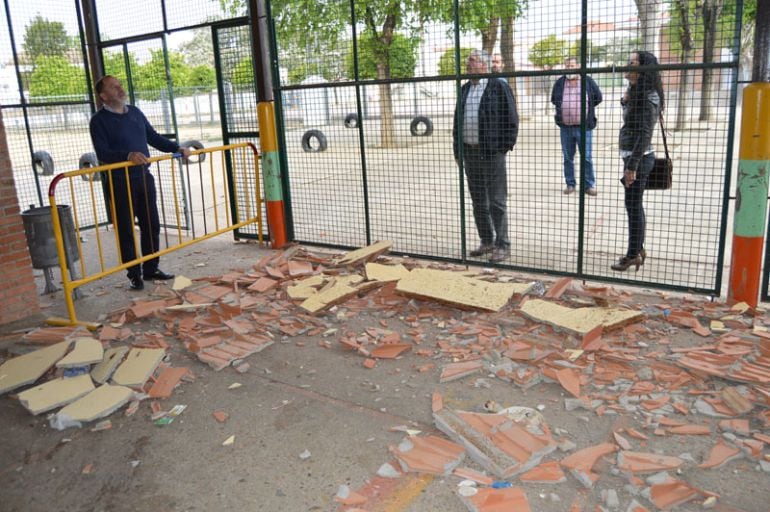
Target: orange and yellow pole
point(751, 198)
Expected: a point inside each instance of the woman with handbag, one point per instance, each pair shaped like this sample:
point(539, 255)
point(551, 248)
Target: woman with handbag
point(642, 104)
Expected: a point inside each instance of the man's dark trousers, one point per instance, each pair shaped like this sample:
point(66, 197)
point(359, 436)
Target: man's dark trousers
point(143, 202)
point(488, 186)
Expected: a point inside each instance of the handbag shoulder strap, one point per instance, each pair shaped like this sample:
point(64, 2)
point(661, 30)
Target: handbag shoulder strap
point(663, 132)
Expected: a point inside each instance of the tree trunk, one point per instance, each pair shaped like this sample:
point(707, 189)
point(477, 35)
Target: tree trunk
point(711, 12)
point(489, 35)
point(685, 38)
point(648, 10)
point(387, 136)
point(681, 99)
point(506, 50)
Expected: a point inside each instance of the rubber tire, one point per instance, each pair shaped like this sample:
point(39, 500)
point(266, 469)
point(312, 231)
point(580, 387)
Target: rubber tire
point(44, 161)
point(351, 121)
point(87, 161)
point(194, 144)
point(416, 122)
point(310, 135)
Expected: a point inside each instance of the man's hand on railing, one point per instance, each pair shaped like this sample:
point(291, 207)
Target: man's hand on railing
point(138, 158)
point(185, 153)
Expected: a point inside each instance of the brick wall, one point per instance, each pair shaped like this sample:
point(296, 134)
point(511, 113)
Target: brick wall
point(18, 294)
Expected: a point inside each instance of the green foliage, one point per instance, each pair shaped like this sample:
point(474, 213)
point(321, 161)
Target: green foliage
point(199, 50)
point(400, 56)
point(115, 65)
point(201, 76)
point(549, 52)
point(45, 38)
point(446, 64)
point(150, 79)
point(54, 76)
point(243, 73)
point(475, 15)
point(616, 51)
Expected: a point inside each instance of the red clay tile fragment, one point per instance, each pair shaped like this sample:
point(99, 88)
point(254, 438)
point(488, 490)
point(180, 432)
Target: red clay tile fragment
point(672, 493)
point(454, 371)
point(369, 363)
point(622, 441)
point(640, 462)
point(437, 402)
point(558, 288)
point(546, 473)
point(582, 461)
point(691, 430)
point(390, 350)
point(470, 474)
point(220, 416)
point(499, 500)
point(300, 268)
point(738, 426)
point(428, 454)
point(166, 382)
point(719, 455)
point(569, 380)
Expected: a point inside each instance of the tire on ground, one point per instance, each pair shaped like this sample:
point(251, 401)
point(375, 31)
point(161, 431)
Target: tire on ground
point(307, 139)
point(351, 121)
point(414, 128)
point(193, 144)
point(42, 163)
point(88, 160)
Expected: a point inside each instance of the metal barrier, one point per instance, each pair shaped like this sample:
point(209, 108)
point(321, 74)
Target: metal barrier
point(213, 189)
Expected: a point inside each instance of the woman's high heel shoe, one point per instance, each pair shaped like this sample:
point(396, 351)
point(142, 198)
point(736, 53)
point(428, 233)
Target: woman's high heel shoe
point(623, 263)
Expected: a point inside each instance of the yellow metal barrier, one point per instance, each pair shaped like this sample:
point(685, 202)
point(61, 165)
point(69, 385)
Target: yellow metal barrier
point(231, 207)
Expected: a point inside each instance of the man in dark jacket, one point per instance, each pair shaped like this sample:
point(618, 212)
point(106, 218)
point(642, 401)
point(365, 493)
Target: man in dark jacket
point(120, 132)
point(566, 96)
point(484, 130)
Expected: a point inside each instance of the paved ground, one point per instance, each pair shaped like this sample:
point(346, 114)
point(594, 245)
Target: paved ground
point(299, 396)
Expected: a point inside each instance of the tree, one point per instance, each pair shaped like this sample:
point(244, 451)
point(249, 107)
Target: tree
point(198, 51)
point(711, 10)
point(201, 76)
point(115, 65)
point(150, 79)
point(243, 73)
point(548, 52)
point(54, 76)
point(648, 20)
point(446, 64)
point(43, 37)
point(330, 20)
point(401, 56)
point(682, 18)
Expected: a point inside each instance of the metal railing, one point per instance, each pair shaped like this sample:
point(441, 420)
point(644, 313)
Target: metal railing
point(203, 188)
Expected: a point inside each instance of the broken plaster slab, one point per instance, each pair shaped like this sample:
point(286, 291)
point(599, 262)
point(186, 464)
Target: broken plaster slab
point(100, 402)
point(385, 273)
point(458, 290)
point(365, 253)
point(335, 292)
point(578, 321)
point(28, 368)
point(138, 366)
point(87, 351)
point(55, 393)
point(306, 288)
point(112, 358)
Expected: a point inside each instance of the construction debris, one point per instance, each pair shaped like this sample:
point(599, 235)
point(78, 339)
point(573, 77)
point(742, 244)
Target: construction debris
point(26, 369)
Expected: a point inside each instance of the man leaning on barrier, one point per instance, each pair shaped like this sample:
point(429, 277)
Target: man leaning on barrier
point(486, 125)
point(119, 133)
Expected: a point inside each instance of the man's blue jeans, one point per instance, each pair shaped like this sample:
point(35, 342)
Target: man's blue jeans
point(570, 140)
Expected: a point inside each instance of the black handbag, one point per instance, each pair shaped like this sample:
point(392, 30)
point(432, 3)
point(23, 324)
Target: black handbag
point(662, 174)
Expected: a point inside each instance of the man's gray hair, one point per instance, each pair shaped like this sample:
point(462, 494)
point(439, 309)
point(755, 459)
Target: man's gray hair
point(484, 56)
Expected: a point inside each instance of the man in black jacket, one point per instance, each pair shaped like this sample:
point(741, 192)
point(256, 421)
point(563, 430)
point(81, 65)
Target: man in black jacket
point(484, 130)
point(566, 96)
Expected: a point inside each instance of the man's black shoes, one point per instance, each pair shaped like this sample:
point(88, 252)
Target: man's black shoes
point(158, 275)
point(135, 283)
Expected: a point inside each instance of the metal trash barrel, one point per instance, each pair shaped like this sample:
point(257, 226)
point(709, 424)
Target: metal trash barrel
point(38, 227)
